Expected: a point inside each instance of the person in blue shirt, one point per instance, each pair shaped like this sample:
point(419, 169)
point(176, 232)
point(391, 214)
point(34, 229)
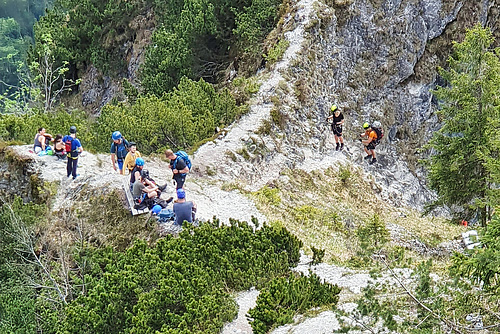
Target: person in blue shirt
point(119, 150)
point(184, 210)
point(74, 149)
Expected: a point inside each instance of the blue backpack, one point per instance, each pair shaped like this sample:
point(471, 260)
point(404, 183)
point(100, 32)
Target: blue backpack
point(166, 215)
point(184, 156)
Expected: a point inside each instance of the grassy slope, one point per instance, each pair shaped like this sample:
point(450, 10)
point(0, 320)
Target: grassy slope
point(324, 208)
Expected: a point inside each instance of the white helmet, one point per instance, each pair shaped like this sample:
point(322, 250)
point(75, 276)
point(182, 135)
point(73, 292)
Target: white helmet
point(376, 124)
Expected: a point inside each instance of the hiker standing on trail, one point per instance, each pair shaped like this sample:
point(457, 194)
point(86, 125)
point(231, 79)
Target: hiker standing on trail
point(337, 122)
point(369, 140)
point(73, 149)
point(180, 166)
point(118, 150)
point(183, 210)
point(132, 155)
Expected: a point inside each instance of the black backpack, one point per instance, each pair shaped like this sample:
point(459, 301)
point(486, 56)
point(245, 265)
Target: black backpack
point(380, 135)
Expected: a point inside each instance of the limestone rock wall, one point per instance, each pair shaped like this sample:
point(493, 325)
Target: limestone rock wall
point(377, 60)
point(18, 176)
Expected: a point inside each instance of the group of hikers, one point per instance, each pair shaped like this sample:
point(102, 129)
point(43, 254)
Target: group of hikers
point(64, 147)
point(126, 158)
point(370, 138)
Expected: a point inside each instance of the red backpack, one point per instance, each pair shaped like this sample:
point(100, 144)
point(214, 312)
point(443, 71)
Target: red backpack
point(67, 143)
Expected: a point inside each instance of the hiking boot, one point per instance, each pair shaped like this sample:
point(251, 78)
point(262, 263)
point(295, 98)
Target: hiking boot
point(162, 188)
point(374, 160)
point(140, 206)
point(368, 157)
point(337, 148)
point(341, 146)
point(170, 200)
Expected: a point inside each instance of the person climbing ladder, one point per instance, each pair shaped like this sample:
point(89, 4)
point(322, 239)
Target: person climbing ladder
point(337, 122)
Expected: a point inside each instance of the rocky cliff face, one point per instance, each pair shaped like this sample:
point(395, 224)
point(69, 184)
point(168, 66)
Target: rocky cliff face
point(377, 60)
point(98, 89)
point(18, 176)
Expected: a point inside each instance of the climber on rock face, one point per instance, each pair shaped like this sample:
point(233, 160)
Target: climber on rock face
point(369, 138)
point(337, 122)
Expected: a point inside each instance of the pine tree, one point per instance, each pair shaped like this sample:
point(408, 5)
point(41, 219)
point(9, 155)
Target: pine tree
point(463, 167)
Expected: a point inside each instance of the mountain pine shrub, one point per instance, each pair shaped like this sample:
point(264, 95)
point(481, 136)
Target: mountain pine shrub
point(180, 285)
point(284, 297)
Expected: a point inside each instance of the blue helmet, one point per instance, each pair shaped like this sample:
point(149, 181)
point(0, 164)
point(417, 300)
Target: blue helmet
point(156, 209)
point(116, 135)
point(139, 162)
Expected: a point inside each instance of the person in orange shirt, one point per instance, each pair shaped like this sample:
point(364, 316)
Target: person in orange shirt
point(369, 142)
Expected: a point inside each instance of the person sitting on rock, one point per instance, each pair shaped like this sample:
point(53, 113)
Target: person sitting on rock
point(59, 147)
point(148, 192)
point(184, 210)
point(143, 186)
point(135, 174)
point(42, 140)
point(132, 155)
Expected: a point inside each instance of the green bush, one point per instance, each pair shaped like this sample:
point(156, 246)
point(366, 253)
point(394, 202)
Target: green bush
point(278, 302)
point(17, 296)
point(193, 38)
point(373, 236)
point(89, 31)
point(276, 52)
point(23, 127)
point(188, 114)
point(180, 285)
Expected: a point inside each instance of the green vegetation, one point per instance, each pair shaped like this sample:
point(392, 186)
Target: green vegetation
point(278, 302)
point(482, 264)
point(192, 38)
point(13, 46)
point(372, 236)
point(276, 52)
point(464, 169)
point(179, 284)
point(23, 127)
point(17, 297)
point(16, 31)
point(180, 119)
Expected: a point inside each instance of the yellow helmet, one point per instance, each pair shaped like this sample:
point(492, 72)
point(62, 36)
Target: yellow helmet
point(333, 108)
point(366, 125)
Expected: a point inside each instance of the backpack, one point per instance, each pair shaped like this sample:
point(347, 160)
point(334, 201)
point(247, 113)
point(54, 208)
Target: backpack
point(166, 215)
point(126, 145)
point(184, 156)
point(67, 144)
point(380, 135)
